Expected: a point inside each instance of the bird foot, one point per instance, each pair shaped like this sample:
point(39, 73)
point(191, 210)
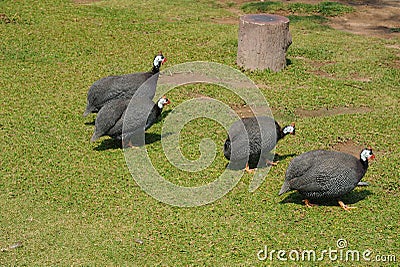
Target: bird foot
point(345, 207)
point(129, 145)
point(309, 204)
point(248, 170)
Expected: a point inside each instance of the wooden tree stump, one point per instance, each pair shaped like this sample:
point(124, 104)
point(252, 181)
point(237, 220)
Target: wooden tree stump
point(263, 42)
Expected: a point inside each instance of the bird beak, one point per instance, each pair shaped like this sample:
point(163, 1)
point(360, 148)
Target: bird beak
point(168, 102)
point(163, 61)
point(371, 157)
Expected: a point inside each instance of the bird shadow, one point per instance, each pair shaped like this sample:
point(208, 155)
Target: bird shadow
point(90, 122)
point(152, 138)
point(350, 198)
point(242, 164)
point(165, 113)
point(108, 144)
point(283, 157)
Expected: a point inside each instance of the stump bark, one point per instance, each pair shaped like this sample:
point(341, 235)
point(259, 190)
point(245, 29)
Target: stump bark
point(263, 42)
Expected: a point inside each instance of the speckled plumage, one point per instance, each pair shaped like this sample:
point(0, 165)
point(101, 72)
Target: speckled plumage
point(112, 87)
point(250, 140)
point(139, 115)
point(109, 120)
point(321, 174)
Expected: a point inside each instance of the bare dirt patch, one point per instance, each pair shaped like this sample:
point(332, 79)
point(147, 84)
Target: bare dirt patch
point(229, 21)
point(349, 147)
point(374, 17)
point(245, 111)
point(378, 18)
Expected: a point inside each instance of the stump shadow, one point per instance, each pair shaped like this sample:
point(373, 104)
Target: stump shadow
point(288, 62)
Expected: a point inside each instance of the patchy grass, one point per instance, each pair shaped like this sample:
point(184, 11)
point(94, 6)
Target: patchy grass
point(327, 9)
point(66, 201)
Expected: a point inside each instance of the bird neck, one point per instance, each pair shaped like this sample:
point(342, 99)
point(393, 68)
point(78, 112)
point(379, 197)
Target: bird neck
point(279, 135)
point(227, 149)
point(364, 163)
point(155, 69)
point(160, 105)
point(282, 133)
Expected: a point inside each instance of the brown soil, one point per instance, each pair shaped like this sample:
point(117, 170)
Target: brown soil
point(372, 17)
point(348, 147)
point(245, 111)
point(378, 18)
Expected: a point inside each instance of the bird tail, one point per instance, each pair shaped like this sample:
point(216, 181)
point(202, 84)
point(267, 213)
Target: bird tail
point(94, 137)
point(89, 109)
point(285, 188)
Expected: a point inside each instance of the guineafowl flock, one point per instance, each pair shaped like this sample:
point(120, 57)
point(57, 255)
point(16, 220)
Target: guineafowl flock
point(109, 97)
point(317, 175)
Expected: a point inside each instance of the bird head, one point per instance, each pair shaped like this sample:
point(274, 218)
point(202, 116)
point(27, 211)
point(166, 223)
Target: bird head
point(366, 154)
point(163, 101)
point(289, 129)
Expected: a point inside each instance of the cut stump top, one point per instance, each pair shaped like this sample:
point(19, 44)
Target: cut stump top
point(264, 19)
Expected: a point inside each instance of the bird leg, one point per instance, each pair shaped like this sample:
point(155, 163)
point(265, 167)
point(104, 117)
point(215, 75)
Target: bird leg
point(248, 168)
point(309, 204)
point(129, 145)
point(268, 162)
point(344, 206)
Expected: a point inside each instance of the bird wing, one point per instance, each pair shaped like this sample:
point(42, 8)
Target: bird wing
point(137, 113)
point(304, 171)
point(109, 114)
point(268, 133)
point(239, 141)
point(326, 174)
point(147, 88)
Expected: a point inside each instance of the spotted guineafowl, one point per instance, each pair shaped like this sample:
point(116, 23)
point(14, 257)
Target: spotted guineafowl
point(321, 174)
point(110, 118)
point(112, 87)
point(141, 117)
point(141, 114)
point(250, 141)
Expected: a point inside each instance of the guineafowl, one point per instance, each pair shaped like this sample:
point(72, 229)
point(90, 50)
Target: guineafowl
point(111, 87)
point(251, 139)
point(143, 114)
point(321, 174)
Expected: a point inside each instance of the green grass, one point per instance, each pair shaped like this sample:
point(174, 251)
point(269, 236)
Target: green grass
point(72, 202)
point(327, 9)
